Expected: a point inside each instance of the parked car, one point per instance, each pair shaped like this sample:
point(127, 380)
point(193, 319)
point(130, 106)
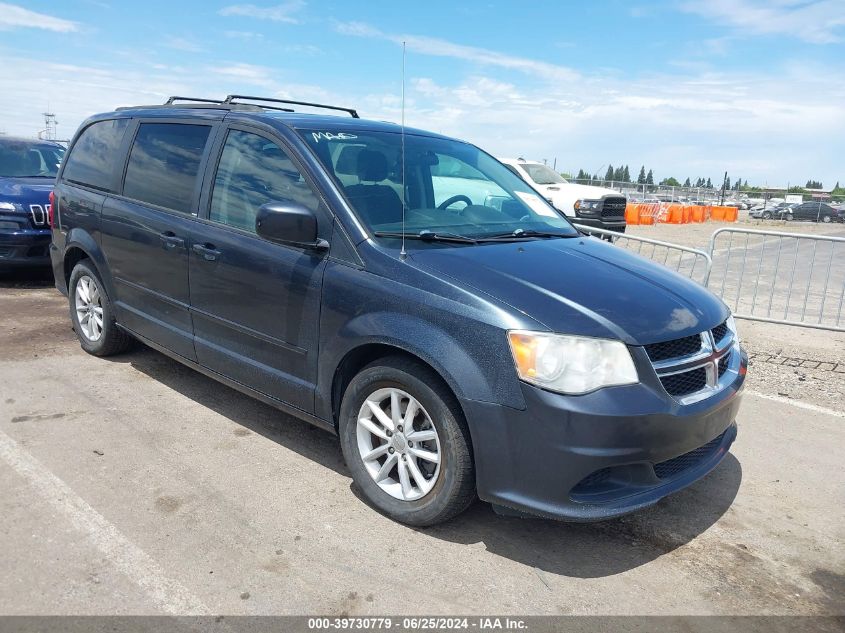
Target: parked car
point(28, 168)
point(815, 212)
point(780, 211)
point(456, 348)
point(587, 205)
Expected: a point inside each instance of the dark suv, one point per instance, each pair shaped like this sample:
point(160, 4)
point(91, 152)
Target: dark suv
point(475, 345)
point(28, 169)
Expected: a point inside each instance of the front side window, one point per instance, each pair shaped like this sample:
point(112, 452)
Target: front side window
point(445, 185)
point(252, 172)
point(164, 164)
point(21, 159)
point(92, 160)
point(543, 175)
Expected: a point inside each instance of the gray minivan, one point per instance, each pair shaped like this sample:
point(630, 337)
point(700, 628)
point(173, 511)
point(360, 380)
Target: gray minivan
point(405, 291)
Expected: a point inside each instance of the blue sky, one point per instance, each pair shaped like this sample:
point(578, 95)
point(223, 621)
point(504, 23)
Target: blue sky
point(687, 88)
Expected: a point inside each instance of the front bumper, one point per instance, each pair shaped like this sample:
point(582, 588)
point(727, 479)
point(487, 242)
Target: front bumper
point(599, 223)
point(25, 248)
point(600, 455)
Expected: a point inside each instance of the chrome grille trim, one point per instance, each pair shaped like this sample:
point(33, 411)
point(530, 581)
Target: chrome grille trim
point(720, 360)
point(39, 215)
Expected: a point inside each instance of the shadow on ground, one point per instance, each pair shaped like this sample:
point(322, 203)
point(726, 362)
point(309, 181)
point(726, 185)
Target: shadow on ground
point(26, 278)
point(568, 549)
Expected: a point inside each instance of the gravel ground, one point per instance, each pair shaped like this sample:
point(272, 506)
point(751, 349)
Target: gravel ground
point(786, 361)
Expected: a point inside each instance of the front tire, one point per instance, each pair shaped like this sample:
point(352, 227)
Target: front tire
point(406, 443)
point(92, 314)
point(767, 216)
point(826, 219)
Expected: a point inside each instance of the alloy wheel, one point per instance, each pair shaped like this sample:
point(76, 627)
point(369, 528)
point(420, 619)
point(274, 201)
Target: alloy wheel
point(398, 444)
point(89, 308)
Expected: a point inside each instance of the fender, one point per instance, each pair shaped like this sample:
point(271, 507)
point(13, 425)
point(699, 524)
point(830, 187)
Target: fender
point(486, 376)
point(80, 238)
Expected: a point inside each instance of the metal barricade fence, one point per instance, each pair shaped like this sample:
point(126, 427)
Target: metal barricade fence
point(690, 262)
point(790, 278)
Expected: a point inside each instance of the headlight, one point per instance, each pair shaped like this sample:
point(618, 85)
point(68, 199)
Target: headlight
point(571, 364)
point(587, 205)
point(8, 206)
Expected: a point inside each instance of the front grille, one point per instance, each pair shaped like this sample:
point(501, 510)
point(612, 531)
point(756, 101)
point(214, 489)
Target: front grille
point(720, 331)
point(674, 349)
point(673, 467)
point(685, 383)
point(723, 364)
point(39, 215)
point(613, 208)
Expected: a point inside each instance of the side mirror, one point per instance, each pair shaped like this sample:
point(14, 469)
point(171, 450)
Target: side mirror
point(289, 223)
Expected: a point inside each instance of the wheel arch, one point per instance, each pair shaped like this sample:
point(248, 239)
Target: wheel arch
point(81, 245)
point(365, 354)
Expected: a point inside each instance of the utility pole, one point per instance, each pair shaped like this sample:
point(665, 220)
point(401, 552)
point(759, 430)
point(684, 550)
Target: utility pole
point(724, 182)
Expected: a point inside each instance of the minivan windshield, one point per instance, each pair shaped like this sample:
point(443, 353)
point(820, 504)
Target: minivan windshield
point(543, 175)
point(451, 189)
point(21, 159)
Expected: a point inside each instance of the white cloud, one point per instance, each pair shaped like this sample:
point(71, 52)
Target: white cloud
point(13, 16)
point(244, 35)
point(284, 12)
point(443, 48)
point(247, 73)
point(815, 21)
point(183, 44)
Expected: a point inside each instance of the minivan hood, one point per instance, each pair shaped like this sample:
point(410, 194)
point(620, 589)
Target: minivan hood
point(582, 286)
point(26, 191)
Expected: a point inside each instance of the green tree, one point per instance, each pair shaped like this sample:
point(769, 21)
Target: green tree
point(641, 177)
point(687, 183)
point(649, 179)
point(670, 182)
point(626, 175)
point(609, 174)
point(709, 184)
point(813, 184)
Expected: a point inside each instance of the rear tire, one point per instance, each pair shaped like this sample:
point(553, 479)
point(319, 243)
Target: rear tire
point(92, 314)
point(428, 491)
point(826, 219)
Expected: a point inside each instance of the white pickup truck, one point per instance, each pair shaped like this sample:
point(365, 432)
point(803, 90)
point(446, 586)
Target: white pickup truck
point(591, 206)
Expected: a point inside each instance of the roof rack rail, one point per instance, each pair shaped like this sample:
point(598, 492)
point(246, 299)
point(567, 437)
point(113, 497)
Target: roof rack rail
point(173, 99)
point(230, 100)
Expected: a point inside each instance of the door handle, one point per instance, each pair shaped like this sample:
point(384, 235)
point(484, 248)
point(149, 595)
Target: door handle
point(170, 241)
point(208, 252)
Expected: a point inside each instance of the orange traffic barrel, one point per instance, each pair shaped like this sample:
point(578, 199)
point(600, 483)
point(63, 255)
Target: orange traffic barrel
point(632, 213)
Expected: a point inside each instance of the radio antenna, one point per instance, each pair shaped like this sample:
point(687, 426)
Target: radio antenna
point(402, 253)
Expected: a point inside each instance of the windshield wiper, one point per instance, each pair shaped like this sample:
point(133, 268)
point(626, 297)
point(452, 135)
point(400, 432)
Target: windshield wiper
point(430, 236)
point(30, 176)
point(523, 233)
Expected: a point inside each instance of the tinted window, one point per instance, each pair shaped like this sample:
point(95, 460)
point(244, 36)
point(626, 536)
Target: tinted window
point(94, 155)
point(20, 159)
point(254, 171)
point(451, 186)
point(164, 163)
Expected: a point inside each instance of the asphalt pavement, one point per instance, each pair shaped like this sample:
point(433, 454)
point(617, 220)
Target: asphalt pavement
point(134, 485)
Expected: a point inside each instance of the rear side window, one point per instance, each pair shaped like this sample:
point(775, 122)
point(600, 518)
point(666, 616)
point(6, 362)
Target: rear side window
point(94, 155)
point(164, 163)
